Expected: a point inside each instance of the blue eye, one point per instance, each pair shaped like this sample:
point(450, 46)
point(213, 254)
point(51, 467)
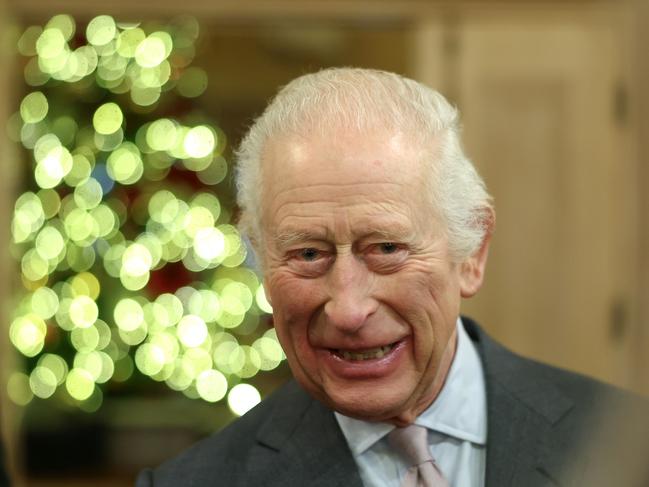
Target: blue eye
point(388, 248)
point(309, 254)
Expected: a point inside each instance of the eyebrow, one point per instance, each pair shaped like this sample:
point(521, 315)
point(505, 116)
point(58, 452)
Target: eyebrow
point(396, 234)
point(291, 237)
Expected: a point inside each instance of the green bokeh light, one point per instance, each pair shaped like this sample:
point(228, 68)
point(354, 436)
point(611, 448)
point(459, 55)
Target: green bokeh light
point(53, 167)
point(27, 333)
point(192, 331)
point(85, 339)
point(192, 83)
point(50, 44)
point(199, 141)
point(42, 382)
point(242, 398)
point(18, 389)
point(124, 165)
point(128, 314)
point(34, 107)
point(27, 42)
point(108, 118)
point(128, 40)
point(150, 358)
point(83, 311)
point(44, 302)
point(33, 74)
point(151, 51)
point(79, 235)
point(80, 171)
point(79, 384)
point(88, 194)
point(64, 23)
point(211, 385)
point(56, 364)
point(146, 96)
point(49, 243)
point(101, 30)
point(161, 134)
point(108, 142)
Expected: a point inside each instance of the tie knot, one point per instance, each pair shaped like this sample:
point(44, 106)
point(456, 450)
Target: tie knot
point(412, 443)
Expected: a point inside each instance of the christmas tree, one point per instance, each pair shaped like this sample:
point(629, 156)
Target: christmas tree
point(129, 261)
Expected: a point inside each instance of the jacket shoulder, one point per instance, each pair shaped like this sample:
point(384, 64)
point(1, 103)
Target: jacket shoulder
point(520, 374)
point(225, 458)
point(565, 423)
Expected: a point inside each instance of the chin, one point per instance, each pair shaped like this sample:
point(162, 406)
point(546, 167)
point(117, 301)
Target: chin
point(368, 407)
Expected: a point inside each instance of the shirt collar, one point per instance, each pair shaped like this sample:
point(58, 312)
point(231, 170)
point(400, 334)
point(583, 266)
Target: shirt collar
point(460, 409)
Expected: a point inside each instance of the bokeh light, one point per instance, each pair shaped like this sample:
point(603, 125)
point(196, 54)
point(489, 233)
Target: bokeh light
point(192, 331)
point(199, 141)
point(34, 107)
point(128, 260)
point(211, 385)
point(153, 50)
point(27, 333)
point(128, 314)
point(192, 83)
point(83, 311)
point(44, 302)
point(108, 118)
point(18, 389)
point(79, 384)
point(42, 382)
point(242, 398)
point(101, 30)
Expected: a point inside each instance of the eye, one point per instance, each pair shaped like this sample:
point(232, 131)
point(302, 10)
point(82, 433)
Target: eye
point(309, 261)
point(387, 247)
point(385, 257)
point(309, 254)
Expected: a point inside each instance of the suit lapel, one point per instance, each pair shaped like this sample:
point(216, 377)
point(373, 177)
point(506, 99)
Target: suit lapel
point(301, 443)
point(523, 447)
point(308, 448)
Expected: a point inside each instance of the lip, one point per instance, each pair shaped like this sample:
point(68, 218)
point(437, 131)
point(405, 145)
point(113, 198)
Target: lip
point(363, 369)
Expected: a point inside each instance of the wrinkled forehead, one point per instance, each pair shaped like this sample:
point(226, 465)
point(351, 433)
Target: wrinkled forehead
point(339, 156)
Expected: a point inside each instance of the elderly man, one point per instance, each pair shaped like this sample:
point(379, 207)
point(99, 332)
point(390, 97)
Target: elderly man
point(371, 225)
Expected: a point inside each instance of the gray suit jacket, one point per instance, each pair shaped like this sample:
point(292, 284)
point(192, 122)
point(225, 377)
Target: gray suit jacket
point(546, 427)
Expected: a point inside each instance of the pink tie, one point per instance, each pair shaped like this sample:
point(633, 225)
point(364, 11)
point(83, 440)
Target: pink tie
point(412, 443)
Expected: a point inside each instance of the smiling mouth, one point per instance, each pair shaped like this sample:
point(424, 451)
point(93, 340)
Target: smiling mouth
point(368, 354)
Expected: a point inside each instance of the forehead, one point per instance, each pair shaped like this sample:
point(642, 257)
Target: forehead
point(343, 183)
point(341, 158)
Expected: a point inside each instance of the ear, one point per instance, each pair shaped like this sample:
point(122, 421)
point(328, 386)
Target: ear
point(472, 269)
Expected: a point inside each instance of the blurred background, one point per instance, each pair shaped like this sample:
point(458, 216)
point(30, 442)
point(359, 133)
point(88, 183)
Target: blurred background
point(133, 322)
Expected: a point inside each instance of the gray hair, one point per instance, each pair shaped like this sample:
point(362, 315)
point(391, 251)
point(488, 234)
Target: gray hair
point(366, 99)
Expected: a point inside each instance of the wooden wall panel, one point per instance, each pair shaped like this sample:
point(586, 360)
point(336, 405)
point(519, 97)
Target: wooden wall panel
point(538, 96)
point(640, 61)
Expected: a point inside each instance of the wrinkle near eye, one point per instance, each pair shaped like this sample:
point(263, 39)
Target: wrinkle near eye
point(386, 257)
point(308, 262)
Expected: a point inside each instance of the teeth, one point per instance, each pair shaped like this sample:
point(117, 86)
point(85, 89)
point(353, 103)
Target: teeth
point(372, 353)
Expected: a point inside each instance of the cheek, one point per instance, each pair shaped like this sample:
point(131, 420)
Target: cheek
point(429, 303)
point(415, 294)
point(294, 298)
point(440, 287)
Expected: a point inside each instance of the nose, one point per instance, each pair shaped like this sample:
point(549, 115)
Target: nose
point(350, 301)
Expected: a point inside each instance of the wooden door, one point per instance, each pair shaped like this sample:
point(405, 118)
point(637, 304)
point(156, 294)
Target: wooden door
point(542, 97)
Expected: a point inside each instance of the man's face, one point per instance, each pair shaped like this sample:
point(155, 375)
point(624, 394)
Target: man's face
point(357, 268)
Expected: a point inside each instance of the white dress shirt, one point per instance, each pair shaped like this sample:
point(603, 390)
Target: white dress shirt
point(456, 422)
